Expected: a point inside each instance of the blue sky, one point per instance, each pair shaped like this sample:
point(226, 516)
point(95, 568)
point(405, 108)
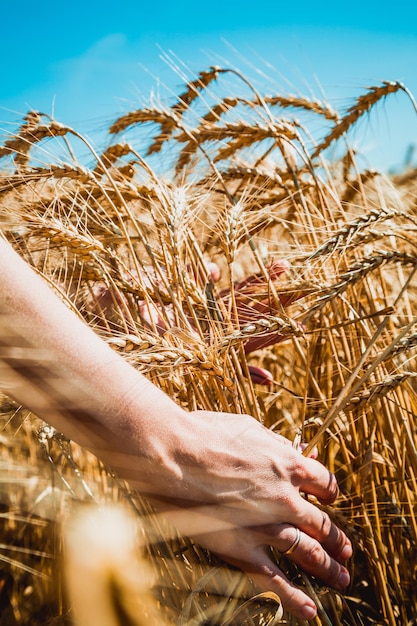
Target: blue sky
point(87, 62)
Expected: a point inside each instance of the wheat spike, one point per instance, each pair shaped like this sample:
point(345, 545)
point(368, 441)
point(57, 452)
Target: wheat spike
point(297, 102)
point(362, 105)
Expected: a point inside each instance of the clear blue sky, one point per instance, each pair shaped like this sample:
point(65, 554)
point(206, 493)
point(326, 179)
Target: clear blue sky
point(84, 61)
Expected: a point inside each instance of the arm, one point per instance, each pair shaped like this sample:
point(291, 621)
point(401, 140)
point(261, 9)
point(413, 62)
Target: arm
point(207, 471)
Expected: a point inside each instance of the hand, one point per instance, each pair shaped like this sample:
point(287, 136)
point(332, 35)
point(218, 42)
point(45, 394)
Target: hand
point(240, 491)
point(254, 300)
point(252, 296)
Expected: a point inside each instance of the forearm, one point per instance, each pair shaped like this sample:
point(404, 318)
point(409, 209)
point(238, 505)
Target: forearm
point(55, 365)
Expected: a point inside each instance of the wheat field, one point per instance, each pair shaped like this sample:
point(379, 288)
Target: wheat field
point(151, 239)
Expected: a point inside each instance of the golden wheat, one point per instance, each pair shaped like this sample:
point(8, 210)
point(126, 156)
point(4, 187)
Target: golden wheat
point(129, 250)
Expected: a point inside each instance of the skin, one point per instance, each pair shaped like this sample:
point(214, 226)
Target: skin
point(223, 479)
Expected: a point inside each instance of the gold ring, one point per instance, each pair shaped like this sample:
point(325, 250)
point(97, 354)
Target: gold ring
point(294, 543)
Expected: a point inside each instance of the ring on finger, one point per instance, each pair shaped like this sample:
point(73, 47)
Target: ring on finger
point(294, 544)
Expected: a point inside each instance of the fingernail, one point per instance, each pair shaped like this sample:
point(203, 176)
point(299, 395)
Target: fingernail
point(309, 611)
point(344, 579)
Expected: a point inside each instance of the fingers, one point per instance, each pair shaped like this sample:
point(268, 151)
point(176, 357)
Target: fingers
point(258, 342)
point(317, 525)
point(303, 550)
point(312, 478)
point(268, 577)
point(276, 268)
point(306, 552)
point(311, 556)
point(246, 548)
point(214, 271)
point(292, 598)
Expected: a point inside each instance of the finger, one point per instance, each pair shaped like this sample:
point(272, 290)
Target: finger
point(260, 376)
point(213, 271)
point(317, 524)
point(308, 474)
point(311, 556)
point(277, 268)
point(268, 577)
point(250, 283)
point(262, 341)
point(313, 454)
point(314, 478)
point(307, 553)
point(245, 549)
point(258, 342)
point(279, 437)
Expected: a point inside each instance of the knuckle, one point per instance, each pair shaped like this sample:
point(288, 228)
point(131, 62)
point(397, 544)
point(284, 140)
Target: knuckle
point(291, 599)
point(333, 487)
point(327, 525)
point(315, 555)
point(297, 468)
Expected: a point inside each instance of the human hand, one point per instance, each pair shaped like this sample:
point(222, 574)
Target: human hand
point(241, 491)
point(254, 300)
point(252, 295)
